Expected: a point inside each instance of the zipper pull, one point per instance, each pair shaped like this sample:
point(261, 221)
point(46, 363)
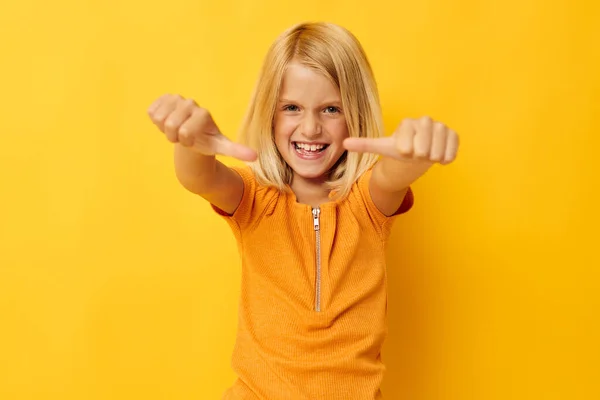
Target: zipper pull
point(316, 212)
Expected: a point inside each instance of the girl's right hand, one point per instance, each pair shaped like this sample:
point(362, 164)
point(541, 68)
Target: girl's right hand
point(184, 122)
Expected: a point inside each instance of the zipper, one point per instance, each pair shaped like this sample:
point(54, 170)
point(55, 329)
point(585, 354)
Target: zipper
point(316, 213)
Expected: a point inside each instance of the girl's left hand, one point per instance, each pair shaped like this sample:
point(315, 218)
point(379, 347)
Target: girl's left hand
point(415, 139)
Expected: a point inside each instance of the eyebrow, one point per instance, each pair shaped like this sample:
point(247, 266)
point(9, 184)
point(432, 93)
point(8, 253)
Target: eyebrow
point(336, 102)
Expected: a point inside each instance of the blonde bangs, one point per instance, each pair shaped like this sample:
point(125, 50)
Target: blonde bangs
point(335, 52)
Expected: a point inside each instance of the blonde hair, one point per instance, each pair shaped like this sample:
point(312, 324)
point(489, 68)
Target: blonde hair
point(336, 53)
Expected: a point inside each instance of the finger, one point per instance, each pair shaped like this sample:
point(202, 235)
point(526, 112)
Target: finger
point(163, 111)
point(172, 126)
point(155, 104)
point(201, 122)
point(383, 146)
point(198, 128)
point(228, 148)
point(422, 139)
point(157, 109)
point(452, 144)
point(405, 138)
point(438, 143)
point(185, 135)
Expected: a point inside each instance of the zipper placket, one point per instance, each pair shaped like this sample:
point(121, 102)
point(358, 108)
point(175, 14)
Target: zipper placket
point(316, 213)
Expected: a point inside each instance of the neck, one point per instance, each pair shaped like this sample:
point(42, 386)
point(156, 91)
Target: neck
point(310, 191)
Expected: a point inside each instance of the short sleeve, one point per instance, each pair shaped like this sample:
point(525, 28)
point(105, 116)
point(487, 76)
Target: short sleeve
point(373, 211)
point(245, 210)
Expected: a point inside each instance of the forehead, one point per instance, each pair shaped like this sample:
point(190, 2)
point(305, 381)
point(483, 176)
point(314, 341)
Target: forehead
point(300, 81)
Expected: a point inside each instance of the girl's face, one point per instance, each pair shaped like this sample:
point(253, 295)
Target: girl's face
point(309, 123)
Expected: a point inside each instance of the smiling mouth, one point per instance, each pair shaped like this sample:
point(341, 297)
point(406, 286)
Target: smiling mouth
point(309, 148)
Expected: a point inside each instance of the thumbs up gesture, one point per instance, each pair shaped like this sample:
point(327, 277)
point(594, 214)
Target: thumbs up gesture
point(184, 122)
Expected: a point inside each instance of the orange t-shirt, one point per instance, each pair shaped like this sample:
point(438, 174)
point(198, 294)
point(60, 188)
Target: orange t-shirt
point(312, 313)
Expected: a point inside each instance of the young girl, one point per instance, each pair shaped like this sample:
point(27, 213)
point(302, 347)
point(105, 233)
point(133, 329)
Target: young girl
point(311, 212)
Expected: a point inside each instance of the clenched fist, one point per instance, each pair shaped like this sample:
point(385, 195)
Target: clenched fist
point(184, 122)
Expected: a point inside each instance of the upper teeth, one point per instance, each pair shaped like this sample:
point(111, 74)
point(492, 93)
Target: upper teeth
point(311, 147)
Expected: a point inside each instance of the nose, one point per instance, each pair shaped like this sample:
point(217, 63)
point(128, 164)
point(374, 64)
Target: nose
point(310, 126)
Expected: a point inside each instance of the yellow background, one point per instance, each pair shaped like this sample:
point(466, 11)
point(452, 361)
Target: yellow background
point(115, 283)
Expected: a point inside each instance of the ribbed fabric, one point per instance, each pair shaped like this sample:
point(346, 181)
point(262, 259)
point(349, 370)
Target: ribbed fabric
point(284, 348)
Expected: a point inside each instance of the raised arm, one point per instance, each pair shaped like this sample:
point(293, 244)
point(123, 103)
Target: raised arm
point(407, 154)
point(197, 140)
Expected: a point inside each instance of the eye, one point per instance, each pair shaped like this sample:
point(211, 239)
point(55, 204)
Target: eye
point(290, 107)
point(332, 110)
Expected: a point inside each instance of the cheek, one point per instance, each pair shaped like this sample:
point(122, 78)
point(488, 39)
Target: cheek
point(283, 128)
point(337, 129)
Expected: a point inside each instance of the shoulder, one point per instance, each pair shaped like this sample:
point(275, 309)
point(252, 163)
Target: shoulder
point(360, 196)
point(252, 185)
point(255, 198)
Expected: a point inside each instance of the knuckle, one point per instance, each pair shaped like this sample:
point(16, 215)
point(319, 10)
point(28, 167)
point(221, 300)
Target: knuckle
point(407, 122)
point(175, 100)
point(170, 123)
point(201, 112)
point(420, 153)
point(426, 121)
point(189, 103)
point(402, 148)
point(184, 132)
point(436, 156)
point(167, 98)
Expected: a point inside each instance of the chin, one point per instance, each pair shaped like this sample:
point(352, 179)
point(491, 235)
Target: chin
point(310, 173)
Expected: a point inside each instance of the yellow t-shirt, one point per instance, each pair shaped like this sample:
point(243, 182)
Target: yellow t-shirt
point(312, 313)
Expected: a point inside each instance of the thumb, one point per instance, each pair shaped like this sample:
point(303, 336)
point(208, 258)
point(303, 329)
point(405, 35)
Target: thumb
point(231, 149)
point(385, 146)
